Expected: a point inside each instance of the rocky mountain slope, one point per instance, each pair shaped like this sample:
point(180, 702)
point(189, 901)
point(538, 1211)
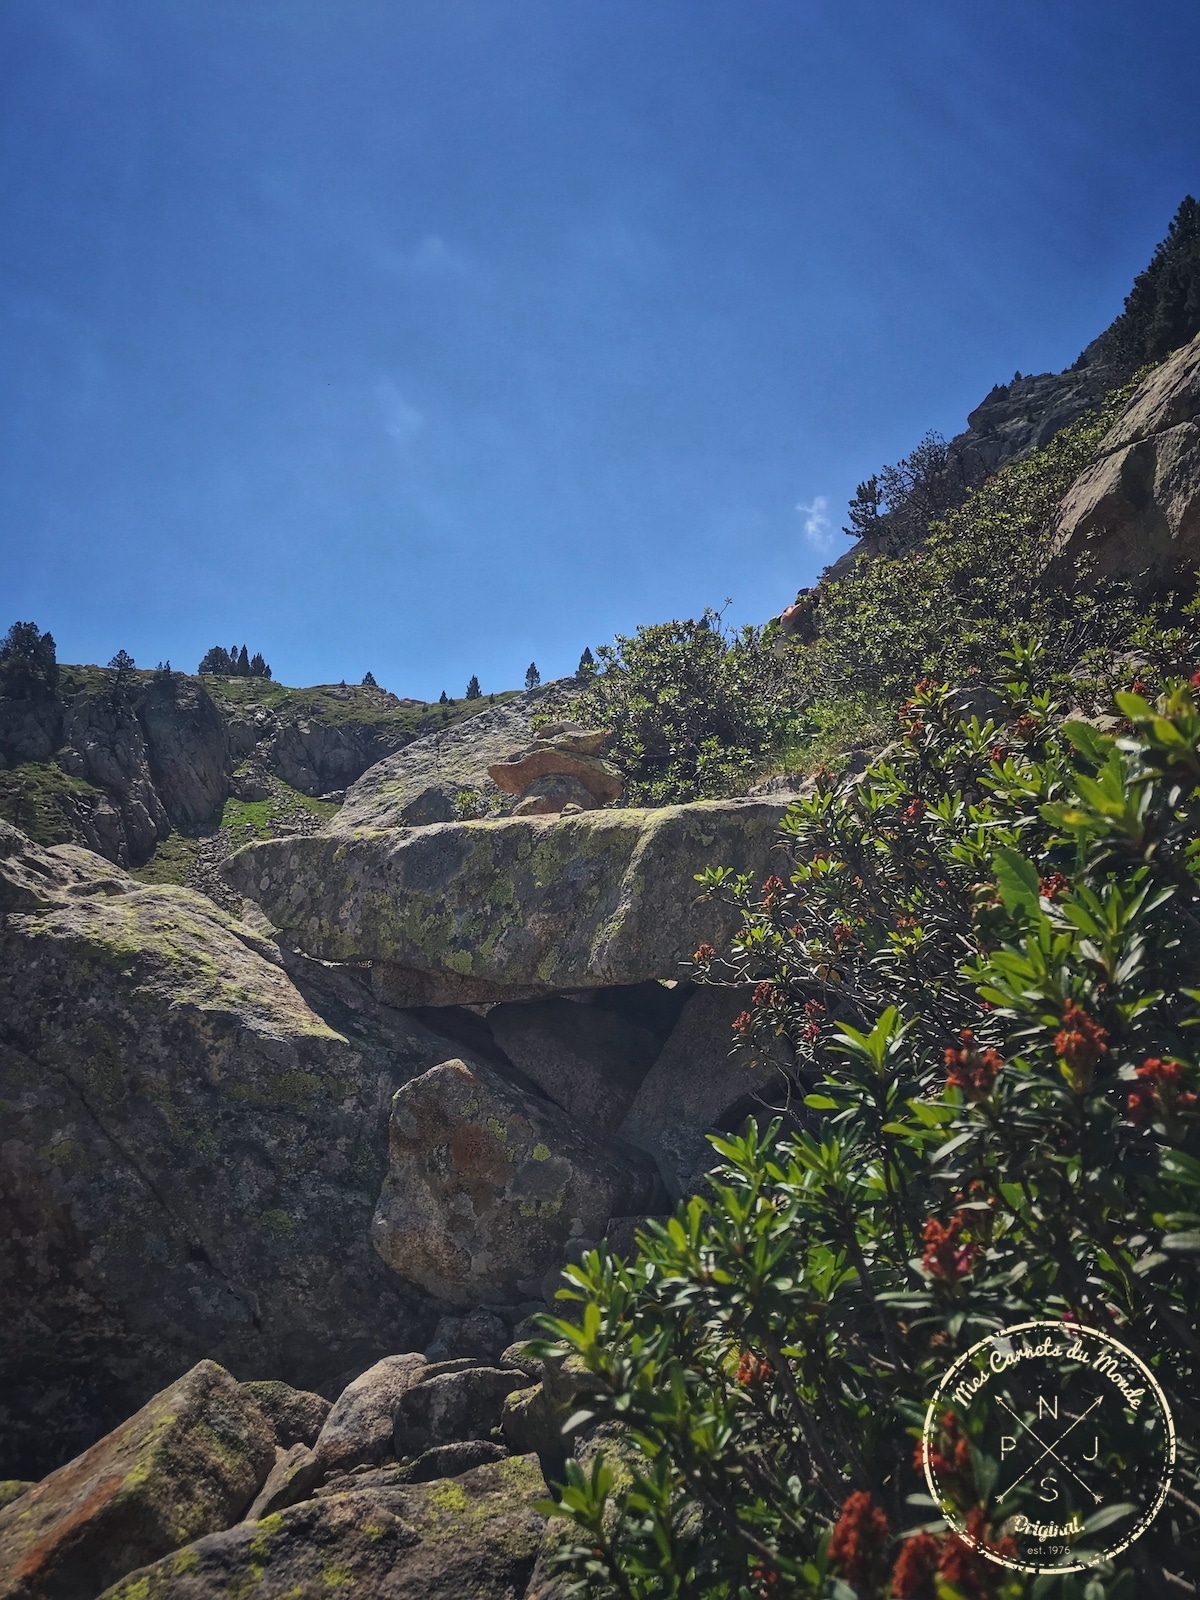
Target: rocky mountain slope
point(143, 770)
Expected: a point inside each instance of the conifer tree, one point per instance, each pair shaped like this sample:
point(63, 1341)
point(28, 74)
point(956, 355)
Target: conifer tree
point(28, 663)
point(443, 701)
point(587, 663)
point(243, 663)
point(369, 681)
point(216, 661)
point(474, 692)
point(258, 667)
point(532, 676)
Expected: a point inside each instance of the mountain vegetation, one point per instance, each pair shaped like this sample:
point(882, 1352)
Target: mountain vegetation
point(234, 663)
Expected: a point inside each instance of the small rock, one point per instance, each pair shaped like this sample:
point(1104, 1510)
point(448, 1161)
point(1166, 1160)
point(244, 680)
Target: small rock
point(486, 1183)
point(453, 1406)
point(601, 781)
point(451, 1460)
point(480, 1334)
point(296, 1415)
point(359, 1426)
point(188, 1463)
point(295, 1475)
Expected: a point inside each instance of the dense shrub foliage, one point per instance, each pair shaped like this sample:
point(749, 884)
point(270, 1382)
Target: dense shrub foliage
point(234, 663)
point(694, 707)
point(984, 955)
point(947, 606)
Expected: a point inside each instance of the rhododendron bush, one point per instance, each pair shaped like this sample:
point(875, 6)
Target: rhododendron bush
point(984, 954)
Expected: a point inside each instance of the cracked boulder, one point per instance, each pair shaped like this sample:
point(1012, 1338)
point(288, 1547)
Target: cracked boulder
point(187, 1464)
point(523, 904)
point(487, 1183)
point(194, 1143)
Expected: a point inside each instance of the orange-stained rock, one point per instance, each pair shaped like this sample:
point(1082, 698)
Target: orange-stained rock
point(188, 1463)
point(514, 775)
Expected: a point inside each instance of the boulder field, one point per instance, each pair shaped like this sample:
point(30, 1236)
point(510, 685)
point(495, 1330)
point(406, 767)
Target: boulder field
point(288, 1149)
point(422, 1482)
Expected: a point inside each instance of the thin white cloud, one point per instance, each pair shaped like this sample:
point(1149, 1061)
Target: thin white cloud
point(401, 419)
point(817, 529)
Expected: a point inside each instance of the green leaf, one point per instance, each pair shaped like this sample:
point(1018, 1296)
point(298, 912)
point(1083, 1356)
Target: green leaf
point(1182, 1244)
point(820, 1102)
point(1017, 881)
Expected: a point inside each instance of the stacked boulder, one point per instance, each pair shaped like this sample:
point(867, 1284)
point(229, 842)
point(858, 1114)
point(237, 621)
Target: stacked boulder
point(562, 770)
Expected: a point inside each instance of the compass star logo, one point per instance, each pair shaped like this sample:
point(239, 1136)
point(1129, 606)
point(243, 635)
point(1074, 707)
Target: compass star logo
point(1049, 1447)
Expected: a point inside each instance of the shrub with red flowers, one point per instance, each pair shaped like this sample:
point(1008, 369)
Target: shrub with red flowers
point(990, 1117)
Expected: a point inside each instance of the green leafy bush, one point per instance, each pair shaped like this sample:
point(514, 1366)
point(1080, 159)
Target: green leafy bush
point(695, 707)
point(984, 957)
point(948, 606)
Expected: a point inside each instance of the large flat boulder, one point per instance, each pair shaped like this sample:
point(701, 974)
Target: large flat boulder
point(194, 1143)
point(1135, 512)
point(534, 904)
point(187, 1464)
point(487, 1184)
point(471, 1537)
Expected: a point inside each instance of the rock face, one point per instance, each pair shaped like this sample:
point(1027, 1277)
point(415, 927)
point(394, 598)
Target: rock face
point(694, 1082)
point(187, 1464)
point(188, 750)
point(486, 1184)
point(421, 784)
point(194, 1144)
point(1135, 512)
point(473, 1537)
point(529, 904)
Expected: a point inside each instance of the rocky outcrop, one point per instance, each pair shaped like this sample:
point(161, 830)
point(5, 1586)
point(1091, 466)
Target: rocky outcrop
point(104, 743)
point(187, 1464)
point(314, 757)
point(195, 1141)
point(476, 1535)
point(187, 747)
point(486, 1185)
point(1135, 512)
point(423, 782)
point(526, 904)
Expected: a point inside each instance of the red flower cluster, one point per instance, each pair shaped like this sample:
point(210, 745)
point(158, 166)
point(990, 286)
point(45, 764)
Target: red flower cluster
point(1025, 727)
point(860, 1540)
point(772, 889)
point(915, 1566)
point(752, 1368)
point(947, 1255)
point(703, 953)
point(813, 1008)
point(842, 931)
point(915, 810)
point(766, 1577)
point(956, 1561)
point(811, 1031)
point(764, 994)
point(1158, 1091)
point(997, 752)
point(1052, 885)
point(957, 1464)
point(971, 1070)
point(1080, 1042)
point(743, 1022)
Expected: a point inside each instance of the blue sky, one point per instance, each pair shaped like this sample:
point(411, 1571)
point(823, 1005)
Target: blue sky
point(434, 337)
